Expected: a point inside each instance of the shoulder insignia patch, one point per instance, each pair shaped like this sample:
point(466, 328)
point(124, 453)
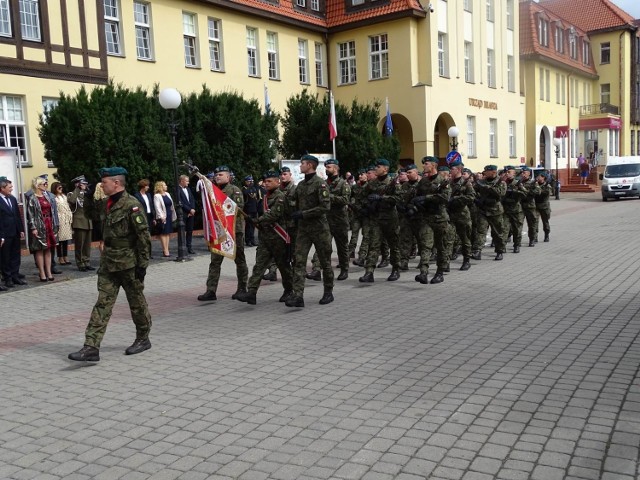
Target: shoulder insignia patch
point(139, 219)
point(325, 193)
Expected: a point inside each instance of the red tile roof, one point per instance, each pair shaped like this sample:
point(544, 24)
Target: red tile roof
point(337, 13)
point(590, 15)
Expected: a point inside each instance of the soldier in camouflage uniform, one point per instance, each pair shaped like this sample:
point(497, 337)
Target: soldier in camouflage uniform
point(531, 189)
point(223, 182)
point(361, 200)
point(431, 199)
point(355, 212)
point(462, 196)
point(123, 263)
point(274, 240)
point(543, 207)
point(338, 218)
point(311, 204)
point(490, 191)
point(409, 223)
point(382, 196)
point(287, 187)
point(513, 214)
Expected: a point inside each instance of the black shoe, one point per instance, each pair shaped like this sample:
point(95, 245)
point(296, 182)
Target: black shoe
point(272, 277)
point(3, 289)
point(536, 240)
point(294, 301)
point(88, 267)
point(422, 278)
point(499, 256)
point(286, 294)
point(22, 277)
point(395, 275)
point(326, 298)
point(246, 297)
point(344, 274)
point(532, 243)
point(139, 346)
point(466, 265)
point(238, 292)
point(359, 262)
point(314, 275)
point(366, 278)
point(546, 237)
point(19, 281)
point(190, 251)
point(383, 263)
point(404, 266)
point(9, 283)
point(83, 269)
point(477, 255)
point(57, 271)
point(207, 296)
point(454, 256)
point(437, 278)
point(86, 354)
point(516, 249)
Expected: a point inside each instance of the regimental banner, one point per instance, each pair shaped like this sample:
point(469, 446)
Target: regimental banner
point(219, 219)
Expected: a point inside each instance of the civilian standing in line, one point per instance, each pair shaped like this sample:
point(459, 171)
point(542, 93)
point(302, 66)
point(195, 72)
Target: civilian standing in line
point(80, 202)
point(42, 226)
point(65, 220)
point(146, 200)
point(165, 214)
point(11, 233)
point(188, 201)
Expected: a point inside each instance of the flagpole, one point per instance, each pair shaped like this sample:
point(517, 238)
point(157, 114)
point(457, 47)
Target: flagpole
point(334, 148)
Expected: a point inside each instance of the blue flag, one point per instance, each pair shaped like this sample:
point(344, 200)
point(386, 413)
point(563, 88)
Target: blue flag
point(388, 124)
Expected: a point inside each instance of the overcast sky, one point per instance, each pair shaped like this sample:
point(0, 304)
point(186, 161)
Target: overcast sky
point(632, 7)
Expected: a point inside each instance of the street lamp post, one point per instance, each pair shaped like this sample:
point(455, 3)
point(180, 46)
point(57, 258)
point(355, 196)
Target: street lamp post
point(453, 134)
point(556, 144)
point(170, 99)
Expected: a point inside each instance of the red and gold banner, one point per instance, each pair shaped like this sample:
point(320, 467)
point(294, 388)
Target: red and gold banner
point(218, 218)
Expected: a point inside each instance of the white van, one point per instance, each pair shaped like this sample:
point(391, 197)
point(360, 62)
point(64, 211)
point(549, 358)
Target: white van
point(621, 178)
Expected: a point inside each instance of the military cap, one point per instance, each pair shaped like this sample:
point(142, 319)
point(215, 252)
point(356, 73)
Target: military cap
point(331, 161)
point(456, 163)
point(509, 167)
point(489, 168)
point(361, 171)
point(382, 161)
point(44, 175)
point(112, 172)
point(248, 178)
point(430, 159)
point(467, 170)
point(525, 169)
point(222, 168)
point(443, 168)
point(271, 174)
point(310, 158)
point(402, 170)
point(411, 166)
point(285, 170)
point(370, 168)
point(4, 179)
point(392, 175)
point(79, 179)
point(542, 173)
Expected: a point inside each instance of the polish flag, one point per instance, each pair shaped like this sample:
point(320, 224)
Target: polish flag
point(333, 129)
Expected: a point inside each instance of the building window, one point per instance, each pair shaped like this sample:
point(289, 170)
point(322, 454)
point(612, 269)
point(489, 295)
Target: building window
point(559, 39)
point(586, 53)
point(512, 138)
point(605, 52)
point(543, 32)
point(272, 56)
point(319, 55)
point(510, 14)
point(490, 11)
point(5, 18)
point(633, 142)
point(303, 61)
point(471, 132)
point(112, 27)
point(301, 3)
point(493, 147)
point(347, 62)
point(548, 85)
point(142, 20)
point(541, 83)
point(12, 126)
point(252, 52)
point(190, 37)
point(605, 93)
point(216, 61)
point(30, 20)
point(315, 5)
point(468, 5)
point(443, 69)
point(491, 68)
point(563, 83)
point(468, 62)
point(378, 57)
point(511, 74)
point(557, 88)
point(573, 49)
point(357, 2)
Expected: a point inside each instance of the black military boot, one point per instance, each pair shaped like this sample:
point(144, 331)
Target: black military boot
point(344, 274)
point(247, 297)
point(86, 354)
point(532, 243)
point(536, 239)
point(286, 294)
point(395, 275)
point(270, 276)
point(314, 275)
point(404, 266)
point(438, 277)
point(327, 297)
point(294, 301)
point(477, 255)
point(466, 265)
point(139, 346)
point(239, 291)
point(422, 278)
point(413, 253)
point(546, 237)
point(383, 263)
point(499, 256)
point(516, 249)
point(207, 296)
point(366, 278)
point(454, 256)
point(359, 262)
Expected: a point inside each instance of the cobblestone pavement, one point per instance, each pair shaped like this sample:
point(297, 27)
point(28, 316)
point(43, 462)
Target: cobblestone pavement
point(520, 369)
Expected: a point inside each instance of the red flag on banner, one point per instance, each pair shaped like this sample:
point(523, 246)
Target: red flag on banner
point(333, 128)
point(219, 219)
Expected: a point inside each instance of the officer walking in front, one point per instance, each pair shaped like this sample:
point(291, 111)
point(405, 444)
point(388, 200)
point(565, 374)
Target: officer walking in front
point(490, 190)
point(125, 256)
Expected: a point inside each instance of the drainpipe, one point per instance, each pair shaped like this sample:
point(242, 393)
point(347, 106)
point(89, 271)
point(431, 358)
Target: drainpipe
point(620, 85)
point(569, 126)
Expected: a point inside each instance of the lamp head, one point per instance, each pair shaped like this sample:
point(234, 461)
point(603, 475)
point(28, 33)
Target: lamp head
point(556, 142)
point(169, 99)
point(453, 132)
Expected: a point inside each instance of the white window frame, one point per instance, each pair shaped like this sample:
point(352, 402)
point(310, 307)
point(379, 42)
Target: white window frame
point(512, 138)
point(548, 85)
point(573, 46)
point(557, 88)
point(467, 5)
point(190, 39)
point(303, 61)
point(315, 5)
point(357, 2)
point(13, 129)
point(563, 98)
point(273, 57)
point(5, 19)
point(30, 20)
point(493, 141)
point(142, 23)
point(319, 58)
point(541, 72)
point(468, 62)
point(443, 64)
point(112, 27)
point(301, 3)
point(602, 93)
point(586, 52)
point(471, 132)
point(490, 11)
point(378, 57)
point(491, 68)
point(347, 67)
point(559, 39)
point(216, 55)
point(510, 12)
point(543, 31)
point(511, 73)
point(253, 57)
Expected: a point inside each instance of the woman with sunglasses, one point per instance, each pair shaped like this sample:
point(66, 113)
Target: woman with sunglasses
point(65, 219)
point(43, 227)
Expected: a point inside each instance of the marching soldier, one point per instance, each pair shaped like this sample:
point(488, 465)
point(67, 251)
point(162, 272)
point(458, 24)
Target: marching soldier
point(490, 190)
point(462, 197)
point(355, 212)
point(532, 189)
point(361, 202)
point(410, 224)
point(513, 214)
point(543, 207)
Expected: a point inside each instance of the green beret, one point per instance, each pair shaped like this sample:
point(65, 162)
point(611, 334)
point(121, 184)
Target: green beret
point(382, 161)
point(222, 168)
point(112, 172)
point(402, 170)
point(331, 161)
point(489, 168)
point(361, 171)
point(271, 174)
point(542, 173)
point(4, 179)
point(310, 158)
point(467, 170)
point(285, 170)
point(430, 159)
point(411, 166)
point(371, 168)
point(509, 167)
point(525, 169)
point(443, 168)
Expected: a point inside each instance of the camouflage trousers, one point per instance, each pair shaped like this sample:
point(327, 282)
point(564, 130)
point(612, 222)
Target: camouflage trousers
point(365, 222)
point(109, 284)
point(410, 235)
point(271, 248)
point(356, 227)
point(318, 235)
point(439, 232)
point(292, 235)
point(460, 234)
point(383, 229)
point(242, 271)
point(497, 231)
point(543, 213)
point(532, 223)
point(339, 228)
point(513, 221)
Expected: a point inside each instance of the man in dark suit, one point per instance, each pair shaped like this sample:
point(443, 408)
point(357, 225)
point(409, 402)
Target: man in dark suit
point(146, 200)
point(11, 231)
point(188, 203)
